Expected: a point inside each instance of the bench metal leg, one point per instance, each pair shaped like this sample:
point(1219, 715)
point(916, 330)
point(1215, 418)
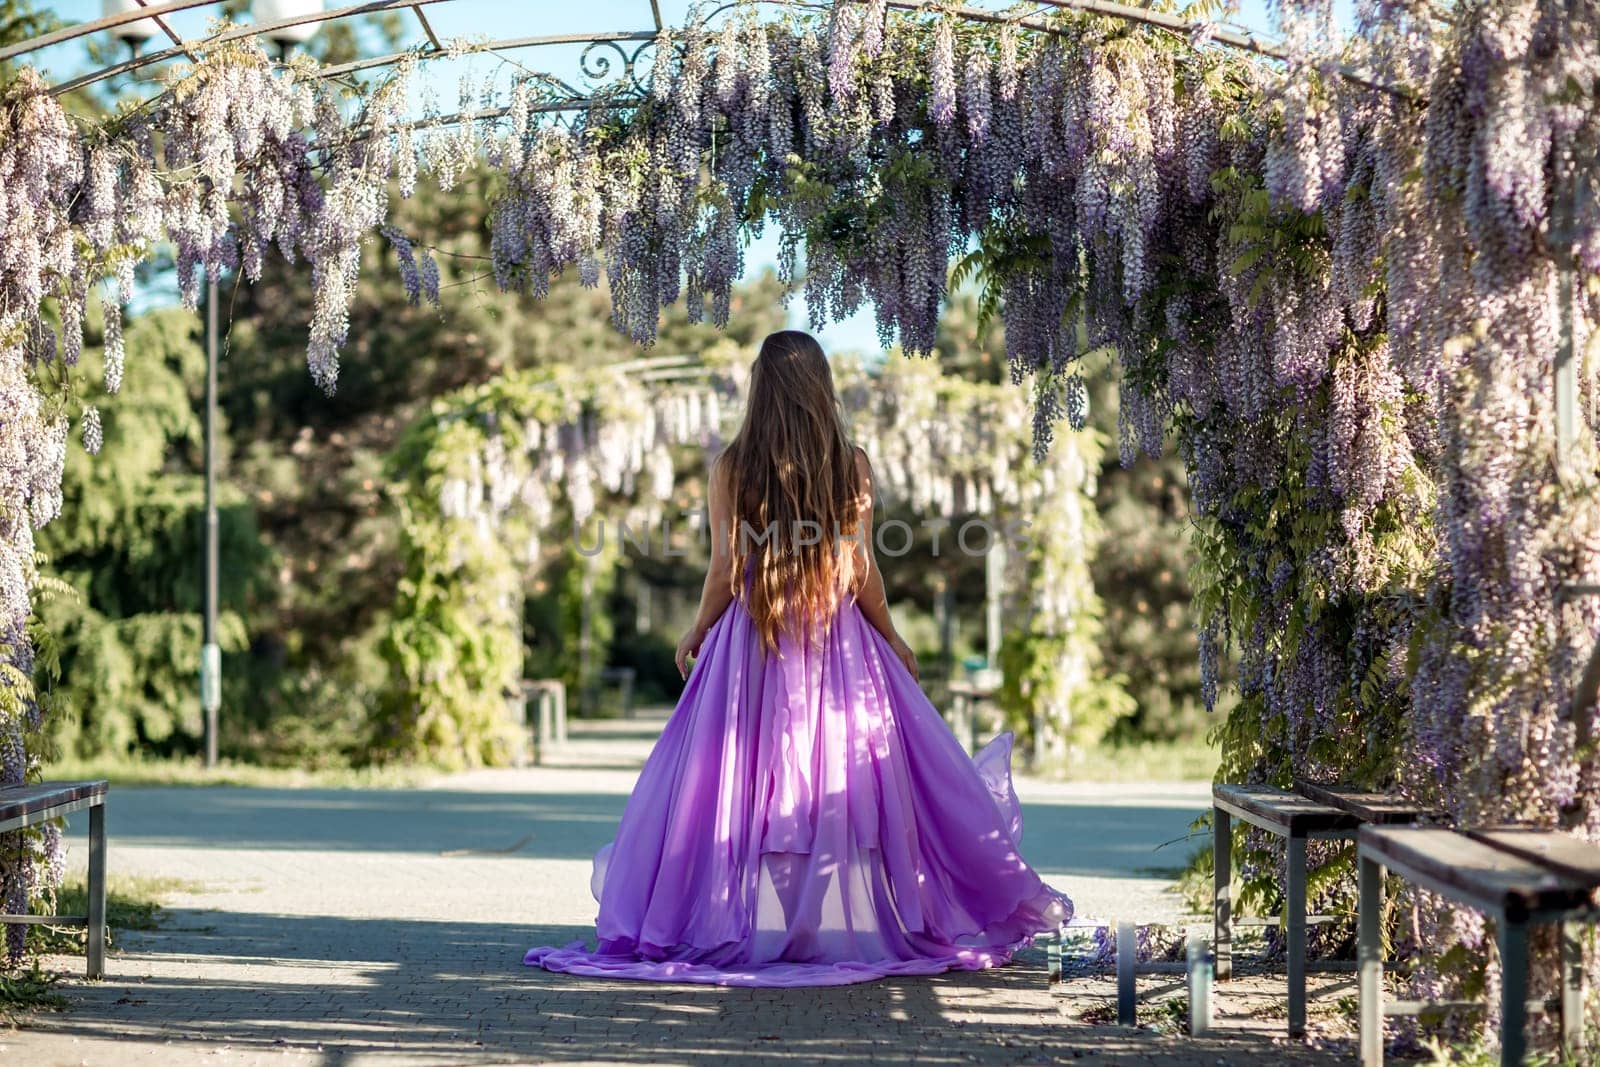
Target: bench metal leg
point(1369, 960)
point(1295, 920)
point(1222, 900)
point(1572, 988)
point(1513, 943)
point(97, 892)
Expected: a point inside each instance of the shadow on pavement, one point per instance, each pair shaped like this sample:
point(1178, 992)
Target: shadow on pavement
point(363, 990)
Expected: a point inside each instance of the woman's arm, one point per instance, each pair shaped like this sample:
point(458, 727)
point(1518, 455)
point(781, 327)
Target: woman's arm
point(870, 594)
point(717, 592)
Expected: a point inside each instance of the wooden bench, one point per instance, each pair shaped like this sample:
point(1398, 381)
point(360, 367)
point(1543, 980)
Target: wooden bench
point(28, 805)
point(1380, 809)
point(1315, 812)
point(549, 696)
point(1517, 876)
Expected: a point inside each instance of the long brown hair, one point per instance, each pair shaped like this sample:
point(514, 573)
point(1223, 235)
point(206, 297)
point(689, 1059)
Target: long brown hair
point(791, 465)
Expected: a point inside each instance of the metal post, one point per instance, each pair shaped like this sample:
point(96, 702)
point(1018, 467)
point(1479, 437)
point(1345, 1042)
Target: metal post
point(961, 718)
point(1566, 209)
point(210, 653)
point(97, 892)
point(517, 701)
point(1222, 890)
point(994, 573)
point(1572, 988)
point(560, 691)
point(944, 617)
point(547, 724)
point(1295, 920)
point(1127, 957)
point(588, 690)
point(1199, 973)
point(1513, 943)
point(1369, 961)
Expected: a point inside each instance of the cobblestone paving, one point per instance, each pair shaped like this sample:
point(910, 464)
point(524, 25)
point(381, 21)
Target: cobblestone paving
point(387, 927)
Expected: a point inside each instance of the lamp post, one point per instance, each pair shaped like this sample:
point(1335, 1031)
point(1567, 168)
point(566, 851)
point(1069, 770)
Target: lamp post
point(286, 37)
point(210, 651)
point(133, 34)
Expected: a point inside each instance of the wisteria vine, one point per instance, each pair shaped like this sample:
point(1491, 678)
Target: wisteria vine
point(1339, 297)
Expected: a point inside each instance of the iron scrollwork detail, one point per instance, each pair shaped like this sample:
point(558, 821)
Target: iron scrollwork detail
point(596, 66)
point(619, 79)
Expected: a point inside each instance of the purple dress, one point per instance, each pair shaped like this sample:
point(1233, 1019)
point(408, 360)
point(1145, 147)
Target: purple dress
point(809, 819)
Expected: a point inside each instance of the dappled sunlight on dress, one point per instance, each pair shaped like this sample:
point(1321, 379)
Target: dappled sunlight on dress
point(809, 819)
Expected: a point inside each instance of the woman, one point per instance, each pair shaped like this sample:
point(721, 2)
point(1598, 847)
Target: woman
point(806, 817)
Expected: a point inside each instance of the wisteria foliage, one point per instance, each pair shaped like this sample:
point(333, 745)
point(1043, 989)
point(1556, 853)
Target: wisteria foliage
point(492, 482)
point(1340, 298)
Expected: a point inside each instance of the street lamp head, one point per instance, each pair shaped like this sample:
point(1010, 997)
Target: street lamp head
point(286, 37)
point(134, 34)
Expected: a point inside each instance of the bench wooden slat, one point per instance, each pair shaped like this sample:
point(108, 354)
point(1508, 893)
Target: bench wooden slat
point(1290, 811)
point(1474, 871)
point(18, 800)
point(1382, 808)
point(1569, 856)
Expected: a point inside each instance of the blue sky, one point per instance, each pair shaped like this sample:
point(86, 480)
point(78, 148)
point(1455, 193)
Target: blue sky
point(498, 19)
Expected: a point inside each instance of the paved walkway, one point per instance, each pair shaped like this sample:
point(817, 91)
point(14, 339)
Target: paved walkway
point(387, 927)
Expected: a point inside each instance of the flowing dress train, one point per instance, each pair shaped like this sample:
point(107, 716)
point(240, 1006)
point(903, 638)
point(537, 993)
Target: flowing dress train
point(809, 819)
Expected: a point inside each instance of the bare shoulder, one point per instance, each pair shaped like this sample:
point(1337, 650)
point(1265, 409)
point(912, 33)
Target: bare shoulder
point(864, 487)
point(863, 465)
point(719, 478)
point(721, 467)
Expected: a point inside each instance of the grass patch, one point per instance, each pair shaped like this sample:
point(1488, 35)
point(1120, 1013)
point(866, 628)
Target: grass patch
point(132, 903)
point(25, 991)
point(1169, 1016)
point(146, 771)
point(1146, 761)
point(1172, 1015)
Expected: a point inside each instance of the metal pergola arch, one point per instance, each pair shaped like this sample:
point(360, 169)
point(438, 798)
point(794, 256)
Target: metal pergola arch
point(1192, 29)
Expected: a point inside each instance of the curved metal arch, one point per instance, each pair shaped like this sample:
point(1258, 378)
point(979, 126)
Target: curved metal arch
point(499, 44)
point(236, 33)
point(69, 33)
point(1171, 23)
point(601, 69)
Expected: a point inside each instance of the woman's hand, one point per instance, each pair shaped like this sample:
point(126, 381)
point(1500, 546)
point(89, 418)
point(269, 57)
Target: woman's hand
point(906, 656)
point(689, 648)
